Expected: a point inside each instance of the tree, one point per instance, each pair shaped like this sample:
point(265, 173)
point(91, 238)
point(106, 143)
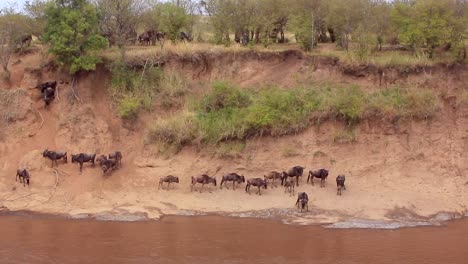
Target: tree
point(426, 25)
point(13, 27)
point(36, 10)
point(346, 18)
point(118, 19)
point(72, 32)
point(306, 22)
point(172, 19)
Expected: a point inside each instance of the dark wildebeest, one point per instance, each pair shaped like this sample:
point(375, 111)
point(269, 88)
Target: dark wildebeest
point(169, 179)
point(257, 182)
point(202, 179)
point(160, 36)
point(26, 40)
point(295, 171)
point(54, 156)
point(144, 39)
point(48, 95)
point(23, 175)
point(44, 86)
point(234, 177)
point(289, 186)
point(184, 36)
point(82, 158)
point(117, 156)
point(302, 201)
point(106, 164)
point(322, 174)
point(273, 176)
point(340, 180)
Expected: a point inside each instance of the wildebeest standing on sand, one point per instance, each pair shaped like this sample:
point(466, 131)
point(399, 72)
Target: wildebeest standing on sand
point(289, 186)
point(273, 176)
point(54, 156)
point(169, 179)
point(234, 177)
point(322, 174)
point(117, 156)
point(295, 171)
point(257, 182)
point(340, 184)
point(202, 179)
point(302, 201)
point(82, 158)
point(23, 175)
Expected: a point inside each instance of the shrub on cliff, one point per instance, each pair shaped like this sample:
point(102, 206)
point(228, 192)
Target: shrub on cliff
point(72, 32)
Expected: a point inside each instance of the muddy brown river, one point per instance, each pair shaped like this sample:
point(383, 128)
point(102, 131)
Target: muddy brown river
point(27, 239)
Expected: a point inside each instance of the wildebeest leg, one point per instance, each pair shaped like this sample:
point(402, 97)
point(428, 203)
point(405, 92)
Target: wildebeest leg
point(28, 181)
point(233, 185)
point(297, 180)
point(81, 166)
point(312, 180)
point(344, 186)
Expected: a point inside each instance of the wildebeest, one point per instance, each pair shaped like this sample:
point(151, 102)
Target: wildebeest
point(295, 171)
point(289, 186)
point(184, 36)
point(117, 156)
point(54, 156)
point(202, 179)
point(302, 201)
point(169, 179)
point(23, 175)
point(26, 40)
point(340, 180)
point(48, 95)
point(44, 86)
point(322, 174)
point(257, 182)
point(234, 177)
point(273, 176)
point(82, 158)
point(145, 38)
point(106, 164)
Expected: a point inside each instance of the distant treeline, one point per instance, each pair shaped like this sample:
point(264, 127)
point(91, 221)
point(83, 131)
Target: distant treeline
point(78, 27)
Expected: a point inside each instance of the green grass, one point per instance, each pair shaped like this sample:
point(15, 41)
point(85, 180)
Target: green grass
point(133, 91)
point(229, 113)
point(387, 58)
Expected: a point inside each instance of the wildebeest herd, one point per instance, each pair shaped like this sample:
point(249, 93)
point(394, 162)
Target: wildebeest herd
point(113, 161)
point(150, 37)
point(107, 163)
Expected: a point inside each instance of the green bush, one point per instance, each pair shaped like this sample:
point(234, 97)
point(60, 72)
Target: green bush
point(229, 113)
point(130, 86)
point(129, 107)
point(223, 96)
point(178, 131)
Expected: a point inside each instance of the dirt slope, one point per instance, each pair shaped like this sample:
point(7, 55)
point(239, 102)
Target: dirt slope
point(419, 167)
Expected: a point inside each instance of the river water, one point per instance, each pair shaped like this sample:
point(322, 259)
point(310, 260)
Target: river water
point(28, 239)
